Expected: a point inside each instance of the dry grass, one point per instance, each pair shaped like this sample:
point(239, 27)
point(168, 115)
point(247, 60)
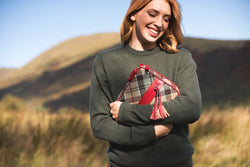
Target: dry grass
point(32, 137)
point(222, 138)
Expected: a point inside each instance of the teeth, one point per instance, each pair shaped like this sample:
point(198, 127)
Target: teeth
point(153, 31)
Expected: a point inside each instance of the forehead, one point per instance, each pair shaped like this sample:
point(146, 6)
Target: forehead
point(160, 6)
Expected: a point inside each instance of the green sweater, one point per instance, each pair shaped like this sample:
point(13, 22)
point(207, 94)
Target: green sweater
point(132, 139)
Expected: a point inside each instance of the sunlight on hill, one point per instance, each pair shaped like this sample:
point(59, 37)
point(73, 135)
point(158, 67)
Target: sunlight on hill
point(62, 55)
point(5, 72)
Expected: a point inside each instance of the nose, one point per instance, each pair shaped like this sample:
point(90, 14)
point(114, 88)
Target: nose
point(158, 22)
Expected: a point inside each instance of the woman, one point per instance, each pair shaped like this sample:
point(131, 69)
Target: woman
point(150, 33)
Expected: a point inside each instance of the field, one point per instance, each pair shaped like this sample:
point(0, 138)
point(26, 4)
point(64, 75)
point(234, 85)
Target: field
point(44, 119)
point(30, 136)
point(222, 138)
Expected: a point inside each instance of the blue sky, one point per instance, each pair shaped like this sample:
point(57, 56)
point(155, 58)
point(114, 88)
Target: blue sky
point(28, 27)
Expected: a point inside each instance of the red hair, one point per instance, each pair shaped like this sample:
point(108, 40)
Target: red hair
point(172, 37)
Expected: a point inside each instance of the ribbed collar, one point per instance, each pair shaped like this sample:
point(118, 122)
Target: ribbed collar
point(143, 53)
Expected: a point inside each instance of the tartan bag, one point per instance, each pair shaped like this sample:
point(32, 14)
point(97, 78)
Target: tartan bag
point(147, 86)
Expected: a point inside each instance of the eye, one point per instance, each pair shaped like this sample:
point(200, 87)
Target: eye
point(166, 20)
point(152, 14)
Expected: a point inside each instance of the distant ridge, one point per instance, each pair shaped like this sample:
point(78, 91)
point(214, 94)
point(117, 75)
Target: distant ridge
point(60, 77)
point(4, 72)
point(62, 55)
point(206, 45)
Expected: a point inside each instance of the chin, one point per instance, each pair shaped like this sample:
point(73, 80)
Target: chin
point(151, 40)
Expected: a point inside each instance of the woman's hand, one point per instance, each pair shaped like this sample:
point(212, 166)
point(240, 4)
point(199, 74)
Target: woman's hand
point(163, 130)
point(114, 109)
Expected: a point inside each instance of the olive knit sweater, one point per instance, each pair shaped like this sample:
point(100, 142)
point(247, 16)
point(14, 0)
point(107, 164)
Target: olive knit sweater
point(132, 140)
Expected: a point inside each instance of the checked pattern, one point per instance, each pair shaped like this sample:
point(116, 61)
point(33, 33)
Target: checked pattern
point(136, 88)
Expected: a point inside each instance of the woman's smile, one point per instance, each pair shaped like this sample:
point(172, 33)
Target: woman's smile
point(153, 32)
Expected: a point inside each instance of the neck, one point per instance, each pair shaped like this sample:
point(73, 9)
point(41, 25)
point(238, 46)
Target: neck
point(139, 46)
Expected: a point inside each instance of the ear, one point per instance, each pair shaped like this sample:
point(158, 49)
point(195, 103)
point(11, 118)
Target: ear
point(132, 17)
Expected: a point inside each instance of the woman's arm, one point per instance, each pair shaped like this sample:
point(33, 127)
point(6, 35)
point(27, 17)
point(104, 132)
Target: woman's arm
point(102, 124)
point(184, 109)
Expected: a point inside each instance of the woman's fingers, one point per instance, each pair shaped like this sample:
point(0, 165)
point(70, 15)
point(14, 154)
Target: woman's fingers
point(114, 109)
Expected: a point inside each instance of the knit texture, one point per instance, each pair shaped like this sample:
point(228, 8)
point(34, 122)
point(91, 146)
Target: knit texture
point(132, 139)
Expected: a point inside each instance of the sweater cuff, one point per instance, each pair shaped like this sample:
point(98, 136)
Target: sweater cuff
point(140, 134)
point(122, 116)
point(143, 134)
point(134, 114)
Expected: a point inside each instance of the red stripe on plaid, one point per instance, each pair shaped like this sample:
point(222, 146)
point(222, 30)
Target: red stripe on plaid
point(160, 76)
point(151, 92)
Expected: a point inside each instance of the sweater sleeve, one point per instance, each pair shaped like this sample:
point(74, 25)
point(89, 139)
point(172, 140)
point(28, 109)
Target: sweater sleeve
point(102, 124)
point(184, 109)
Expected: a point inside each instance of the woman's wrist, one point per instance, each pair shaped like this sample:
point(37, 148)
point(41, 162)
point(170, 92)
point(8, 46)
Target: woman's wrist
point(162, 130)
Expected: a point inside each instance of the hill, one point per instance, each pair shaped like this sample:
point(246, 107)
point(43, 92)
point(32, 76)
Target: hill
point(205, 45)
point(60, 77)
point(4, 72)
point(223, 70)
point(61, 70)
point(61, 56)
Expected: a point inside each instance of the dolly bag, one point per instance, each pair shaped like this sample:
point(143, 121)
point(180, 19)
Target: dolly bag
point(147, 86)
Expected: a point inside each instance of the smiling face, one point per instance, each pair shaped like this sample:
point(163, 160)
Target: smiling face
point(150, 24)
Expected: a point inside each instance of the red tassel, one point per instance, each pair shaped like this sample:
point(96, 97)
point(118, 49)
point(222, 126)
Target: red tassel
point(155, 113)
point(163, 112)
point(159, 112)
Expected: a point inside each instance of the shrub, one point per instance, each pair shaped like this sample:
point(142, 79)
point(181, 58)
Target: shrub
point(12, 103)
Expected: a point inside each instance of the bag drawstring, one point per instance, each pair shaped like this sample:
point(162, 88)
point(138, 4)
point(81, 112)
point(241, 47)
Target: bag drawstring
point(159, 111)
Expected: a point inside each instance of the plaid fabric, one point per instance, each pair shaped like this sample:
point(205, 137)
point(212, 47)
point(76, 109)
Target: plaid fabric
point(136, 88)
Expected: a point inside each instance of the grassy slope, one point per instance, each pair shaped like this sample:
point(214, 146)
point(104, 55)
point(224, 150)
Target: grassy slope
point(223, 73)
point(32, 137)
point(205, 45)
point(62, 55)
point(76, 49)
point(4, 72)
point(222, 137)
